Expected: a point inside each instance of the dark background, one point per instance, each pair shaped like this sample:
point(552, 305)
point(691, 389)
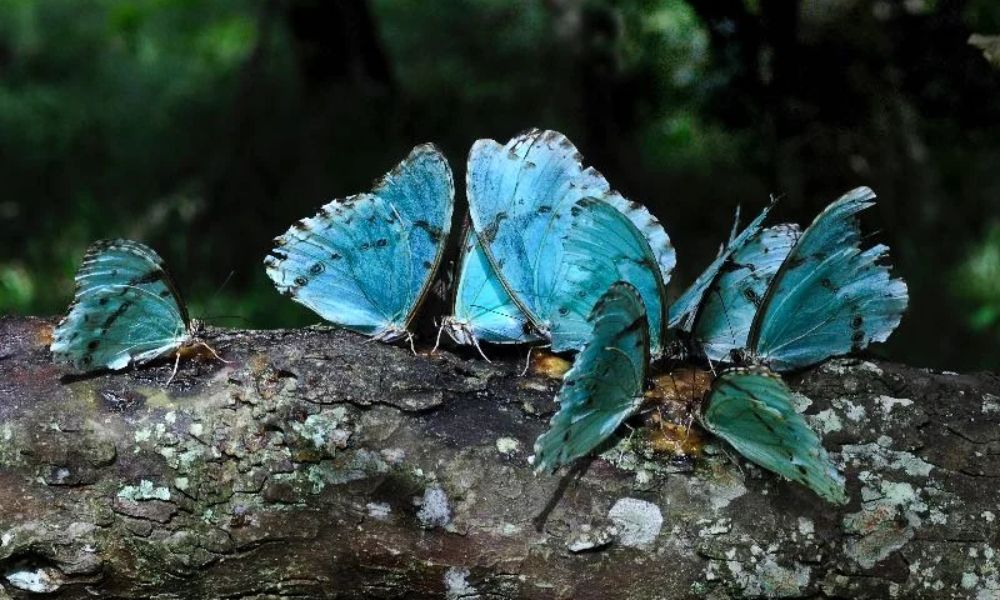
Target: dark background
point(204, 128)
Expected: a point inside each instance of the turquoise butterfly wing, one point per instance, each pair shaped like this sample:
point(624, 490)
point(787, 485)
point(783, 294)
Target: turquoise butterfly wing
point(600, 248)
point(520, 196)
point(722, 321)
point(605, 385)
point(684, 309)
point(366, 262)
point(752, 410)
point(126, 310)
point(483, 310)
point(829, 297)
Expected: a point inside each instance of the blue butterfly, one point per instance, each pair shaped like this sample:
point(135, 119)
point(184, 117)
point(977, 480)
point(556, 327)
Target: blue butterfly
point(682, 311)
point(829, 296)
point(752, 410)
point(605, 385)
point(365, 262)
point(723, 319)
point(483, 310)
point(545, 224)
point(126, 310)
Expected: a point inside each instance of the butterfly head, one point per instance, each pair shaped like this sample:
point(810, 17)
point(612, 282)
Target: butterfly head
point(459, 331)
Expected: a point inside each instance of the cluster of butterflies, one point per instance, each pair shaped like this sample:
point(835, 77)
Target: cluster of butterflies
point(551, 255)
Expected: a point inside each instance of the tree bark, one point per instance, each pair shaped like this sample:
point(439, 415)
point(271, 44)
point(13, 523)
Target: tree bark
point(317, 464)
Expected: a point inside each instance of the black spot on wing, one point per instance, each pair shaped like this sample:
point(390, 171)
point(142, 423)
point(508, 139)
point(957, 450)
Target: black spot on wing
point(491, 230)
point(118, 313)
point(433, 231)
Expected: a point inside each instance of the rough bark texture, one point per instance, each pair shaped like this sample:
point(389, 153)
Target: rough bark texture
point(318, 465)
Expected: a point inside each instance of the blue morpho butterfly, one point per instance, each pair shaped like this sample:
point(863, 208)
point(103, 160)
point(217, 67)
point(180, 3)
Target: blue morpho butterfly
point(752, 410)
point(682, 311)
point(365, 262)
point(483, 310)
point(607, 381)
point(827, 297)
point(526, 199)
point(722, 321)
point(126, 310)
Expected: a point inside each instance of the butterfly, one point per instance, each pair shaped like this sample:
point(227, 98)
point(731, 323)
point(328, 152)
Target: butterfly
point(605, 385)
point(752, 410)
point(366, 262)
point(526, 199)
point(829, 296)
point(483, 310)
point(126, 310)
point(682, 311)
point(723, 319)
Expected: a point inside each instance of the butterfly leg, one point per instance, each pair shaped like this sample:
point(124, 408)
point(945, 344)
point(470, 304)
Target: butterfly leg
point(437, 342)
point(475, 342)
point(214, 353)
point(177, 364)
point(527, 362)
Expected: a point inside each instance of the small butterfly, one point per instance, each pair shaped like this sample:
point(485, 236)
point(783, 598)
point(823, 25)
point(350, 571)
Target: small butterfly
point(752, 410)
point(605, 385)
point(526, 199)
point(723, 319)
point(126, 310)
point(483, 310)
point(682, 311)
point(365, 262)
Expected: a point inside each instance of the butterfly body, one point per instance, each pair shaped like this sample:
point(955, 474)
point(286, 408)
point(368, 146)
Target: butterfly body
point(684, 310)
point(366, 262)
point(126, 310)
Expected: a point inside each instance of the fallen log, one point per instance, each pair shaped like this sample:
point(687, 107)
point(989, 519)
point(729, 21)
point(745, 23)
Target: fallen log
point(316, 464)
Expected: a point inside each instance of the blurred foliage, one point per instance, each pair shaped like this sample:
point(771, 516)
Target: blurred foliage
point(205, 128)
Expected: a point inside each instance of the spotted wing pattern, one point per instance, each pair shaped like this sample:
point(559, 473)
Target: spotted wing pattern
point(722, 322)
point(829, 296)
point(126, 310)
point(365, 262)
point(752, 410)
point(520, 195)
point(605, 385)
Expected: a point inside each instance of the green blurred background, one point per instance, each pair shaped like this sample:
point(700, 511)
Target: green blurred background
point(204, 128)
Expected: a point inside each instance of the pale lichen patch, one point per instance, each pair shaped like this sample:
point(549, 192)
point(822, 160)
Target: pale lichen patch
point(826, 421)
point(36, 580)
point(638, 521)
point(888, 403)
point(880, 457)
point(146, 490)
point(508, 445)
point(435, 510)
point(456, 584)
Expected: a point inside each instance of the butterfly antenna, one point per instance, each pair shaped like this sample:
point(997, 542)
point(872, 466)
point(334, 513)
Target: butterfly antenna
point(736, 225)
